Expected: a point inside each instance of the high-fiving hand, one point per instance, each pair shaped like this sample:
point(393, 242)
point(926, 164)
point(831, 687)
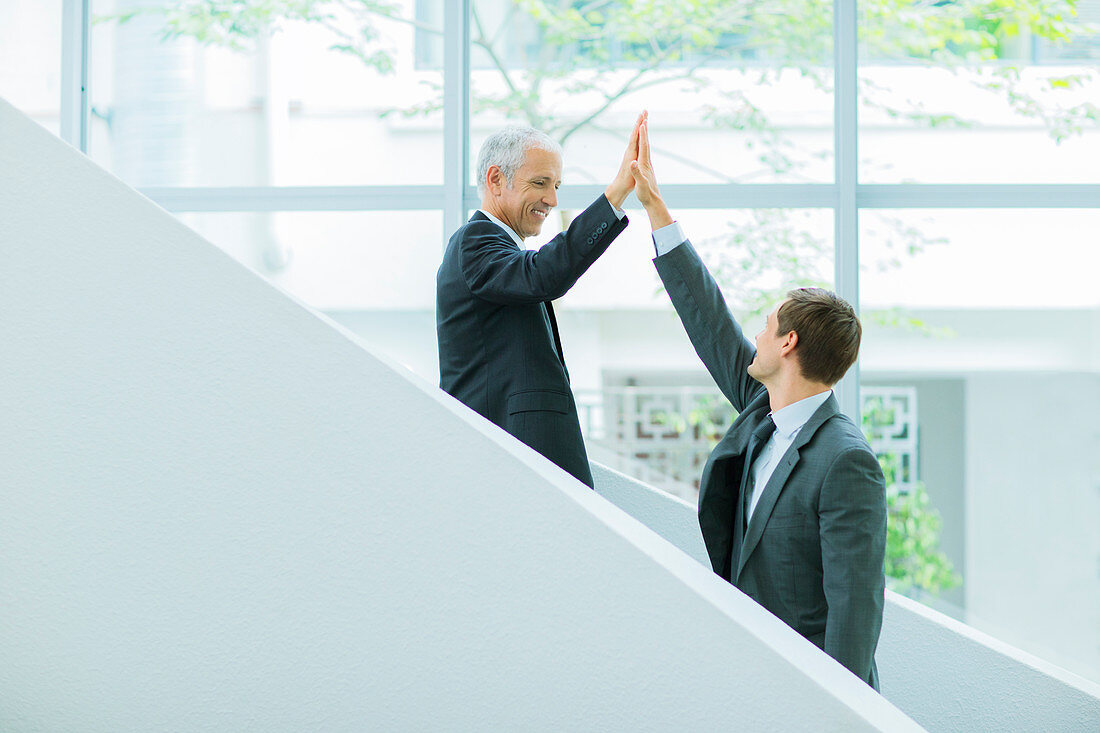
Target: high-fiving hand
point(623, 184)
point(645, 182)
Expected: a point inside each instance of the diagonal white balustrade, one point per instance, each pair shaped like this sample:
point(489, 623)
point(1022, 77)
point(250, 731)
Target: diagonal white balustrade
point(944, 674)
point(220, 512)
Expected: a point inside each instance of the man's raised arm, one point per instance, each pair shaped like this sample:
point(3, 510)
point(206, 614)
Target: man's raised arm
point(498, 270)
point(715, 334)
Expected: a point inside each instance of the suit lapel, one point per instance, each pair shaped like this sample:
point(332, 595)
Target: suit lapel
point(778, 480)
point(549, 309)
point(719, 491)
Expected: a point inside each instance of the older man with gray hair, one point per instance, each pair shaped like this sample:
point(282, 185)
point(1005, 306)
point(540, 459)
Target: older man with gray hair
point(499, 349)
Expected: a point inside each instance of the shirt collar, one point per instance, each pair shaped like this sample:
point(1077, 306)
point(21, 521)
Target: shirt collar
point(790, 419)
point(515, 237)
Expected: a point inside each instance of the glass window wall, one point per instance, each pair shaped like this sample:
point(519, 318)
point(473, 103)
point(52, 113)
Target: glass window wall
point(992, 323)
point(256, 97)
point(978, 93)
point(734, 94)
point(30, 59)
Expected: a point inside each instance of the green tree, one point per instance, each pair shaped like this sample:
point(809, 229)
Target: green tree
point(914, 561)
point(661, 42)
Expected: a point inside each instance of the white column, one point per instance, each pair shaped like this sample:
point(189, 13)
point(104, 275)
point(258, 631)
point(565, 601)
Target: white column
point(274, 251)
point(456, 112)
point(845, 131)
point(75, 33)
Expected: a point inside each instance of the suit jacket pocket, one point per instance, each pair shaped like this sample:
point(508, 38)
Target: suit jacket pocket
point(538, 400)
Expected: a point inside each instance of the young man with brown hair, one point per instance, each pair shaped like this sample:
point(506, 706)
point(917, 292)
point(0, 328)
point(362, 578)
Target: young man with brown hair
point(792, 500)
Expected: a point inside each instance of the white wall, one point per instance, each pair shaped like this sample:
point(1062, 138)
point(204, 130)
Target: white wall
point(946, 675)
point(221, 512)
point(952, 677)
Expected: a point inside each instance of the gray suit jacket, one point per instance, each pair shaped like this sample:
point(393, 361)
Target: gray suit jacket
point(813, 551)
point(499, 349)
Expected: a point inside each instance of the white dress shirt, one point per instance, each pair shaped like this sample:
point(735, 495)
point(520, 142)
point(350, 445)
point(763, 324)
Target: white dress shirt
point(517, 238)
point(788, 423)
point(668, 238)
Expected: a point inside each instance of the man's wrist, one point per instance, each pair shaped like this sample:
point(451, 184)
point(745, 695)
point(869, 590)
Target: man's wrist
point(668, 238)
point(658, 214)
point(616, 194)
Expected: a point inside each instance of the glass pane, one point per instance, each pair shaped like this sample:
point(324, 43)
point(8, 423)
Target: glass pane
point(336, 260)
point(30, 59)
point(184, 95)
point(736, 92)
point(756, 256)
point(978, 93)
point(372, 271)
point(980, 356)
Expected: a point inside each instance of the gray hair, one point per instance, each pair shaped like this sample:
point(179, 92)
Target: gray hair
point(507, 149)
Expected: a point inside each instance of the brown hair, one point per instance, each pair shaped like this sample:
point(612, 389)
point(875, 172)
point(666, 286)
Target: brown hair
point(828, 332)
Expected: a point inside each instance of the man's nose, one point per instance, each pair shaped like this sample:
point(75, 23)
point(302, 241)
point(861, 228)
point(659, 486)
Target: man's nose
point(551, 198)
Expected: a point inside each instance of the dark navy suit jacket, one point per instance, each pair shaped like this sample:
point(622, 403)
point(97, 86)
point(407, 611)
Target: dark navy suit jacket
point(499, 350)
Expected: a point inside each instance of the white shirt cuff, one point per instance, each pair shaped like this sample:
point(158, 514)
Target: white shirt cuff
point(668, 238)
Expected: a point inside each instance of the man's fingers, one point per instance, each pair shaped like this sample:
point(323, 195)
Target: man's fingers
point(632, 146)
point(643, 144)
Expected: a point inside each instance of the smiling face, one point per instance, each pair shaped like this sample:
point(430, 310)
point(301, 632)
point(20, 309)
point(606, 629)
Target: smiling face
point(525, 204)
point(765, 364)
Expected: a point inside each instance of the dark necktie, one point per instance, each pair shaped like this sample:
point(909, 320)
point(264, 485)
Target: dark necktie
point(554, 330)
point(757, 440)
point(760, 438)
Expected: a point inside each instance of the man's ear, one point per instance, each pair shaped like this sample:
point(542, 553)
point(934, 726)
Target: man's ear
point(788, 346)
point(494, 179)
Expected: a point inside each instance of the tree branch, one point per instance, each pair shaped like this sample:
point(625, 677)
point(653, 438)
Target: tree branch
point(483, 43)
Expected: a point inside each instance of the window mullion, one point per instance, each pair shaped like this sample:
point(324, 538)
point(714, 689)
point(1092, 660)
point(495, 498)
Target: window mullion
point(456, 112)
point(75, 35)
point(846, 129)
